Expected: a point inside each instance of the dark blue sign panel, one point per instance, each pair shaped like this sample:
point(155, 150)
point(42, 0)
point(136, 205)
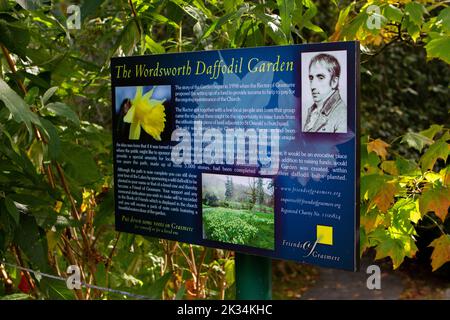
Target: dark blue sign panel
point(253, 150)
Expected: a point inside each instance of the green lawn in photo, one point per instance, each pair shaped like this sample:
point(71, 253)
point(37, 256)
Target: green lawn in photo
point(239, 226)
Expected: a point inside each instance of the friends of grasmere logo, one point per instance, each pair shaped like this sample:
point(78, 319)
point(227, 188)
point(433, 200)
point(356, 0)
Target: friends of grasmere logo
point(325, 235)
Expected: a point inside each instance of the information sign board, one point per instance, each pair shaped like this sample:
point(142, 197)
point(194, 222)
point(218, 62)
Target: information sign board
point(254, 150)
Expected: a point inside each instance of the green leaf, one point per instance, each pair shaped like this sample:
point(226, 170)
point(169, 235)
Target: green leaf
point(14, 38)
point(407, 167)
point(252, 34)
point(224, 19)
point(89, 8)
point(415, 11)
point(32, 242)
point(272, 26)
point(371, 219)
point(63, 110)
point(54, 143)
point(7, 224)
point(439, 48)
point(390, 167)
point(30, 4)
point(28, 168)
point(181, 292)
point(160, 18)
point(395, 249)
point(285, 8)
point(406, 210)
point(36, 152)
point(231, 5)
point(100, 275)
point(105, 209)
point(438, 150)
point(217, 24)
point(16, 296)
point(56, 289)
point(444, 19)
point(393, 13)
point(45, 216)
point(416, 140)
point(12, 210)
point(14, 150)
point(79, 164)
point(435, 198)
point(31, 95)
point(413, 30)
point(35, 80)
point(129, 37)
point(393, 245)
point(16, 105)
point(349, 31)
point(372, 184)
point(363, 243)
point(4, 6)
point(153, 46)
point(48, 94)
point(431, 131)
point(63, 222)
point(313, 27)
point(340, 24)
point(156, 289)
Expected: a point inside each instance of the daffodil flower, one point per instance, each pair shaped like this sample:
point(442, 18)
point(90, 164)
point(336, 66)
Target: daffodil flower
point(146, 113)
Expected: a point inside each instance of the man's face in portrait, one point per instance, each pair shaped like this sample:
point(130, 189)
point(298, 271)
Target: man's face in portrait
point(321, 81)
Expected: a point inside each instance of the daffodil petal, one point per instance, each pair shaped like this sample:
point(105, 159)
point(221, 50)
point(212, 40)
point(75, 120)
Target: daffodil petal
point(135, 131)
point(138, 92)
point(146, 113)
point(154, 103)
point(148, 95)
point(153, 122)
point(129, 115)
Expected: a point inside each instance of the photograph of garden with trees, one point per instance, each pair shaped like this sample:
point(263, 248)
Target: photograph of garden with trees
point(56, 161)
point(238, 210)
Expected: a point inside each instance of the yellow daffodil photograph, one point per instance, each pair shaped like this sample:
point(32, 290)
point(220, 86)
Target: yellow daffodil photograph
point(142, 112)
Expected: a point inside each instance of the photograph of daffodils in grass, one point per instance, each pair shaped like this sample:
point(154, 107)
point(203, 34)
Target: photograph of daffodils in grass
point(141, 113)
point(238, 210)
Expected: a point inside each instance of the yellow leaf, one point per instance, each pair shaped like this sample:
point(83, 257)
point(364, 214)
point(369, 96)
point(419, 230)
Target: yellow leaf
point(385, 197)
point(390, 167)
point(441, 252)
point(58, 206)
point(436, 199)
point(371, 220)
point(379, 147)
point(52, 240)
point(432, 176)
point(86, 194)
point(415, 215)
point(445, 174)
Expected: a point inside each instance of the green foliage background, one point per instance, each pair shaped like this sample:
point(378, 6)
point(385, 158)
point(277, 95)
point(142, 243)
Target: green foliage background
point(56, 205)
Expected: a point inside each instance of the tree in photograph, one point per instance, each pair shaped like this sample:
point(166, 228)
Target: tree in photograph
point(270, 191)
point(229, 189)
point(252, 192)
point(211, 199)
point(260, 192)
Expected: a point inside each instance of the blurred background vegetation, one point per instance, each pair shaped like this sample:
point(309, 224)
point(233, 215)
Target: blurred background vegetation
point(56, 199)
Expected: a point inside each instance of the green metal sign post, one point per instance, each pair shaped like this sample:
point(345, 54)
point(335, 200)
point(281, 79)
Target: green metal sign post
point(253, 277)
